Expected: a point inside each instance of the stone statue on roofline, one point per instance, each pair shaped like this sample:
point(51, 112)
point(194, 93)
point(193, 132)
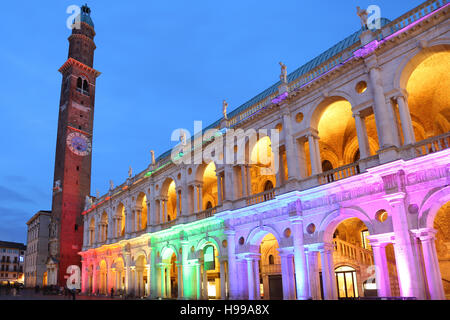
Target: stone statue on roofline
point(183, 137)
point(130, 172)
point(224, 109)
point(111, 185)
point(87, 202)
point(283, 76)
point(363, 15)
point(97, 193)
point(153, 156)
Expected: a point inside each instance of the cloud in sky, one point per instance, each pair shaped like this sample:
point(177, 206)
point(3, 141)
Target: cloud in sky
point(8, 195)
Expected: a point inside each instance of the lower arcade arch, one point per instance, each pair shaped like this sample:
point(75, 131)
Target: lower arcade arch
point(169, 276)
point(441, 225)
point(347, 264)
point(139, 276)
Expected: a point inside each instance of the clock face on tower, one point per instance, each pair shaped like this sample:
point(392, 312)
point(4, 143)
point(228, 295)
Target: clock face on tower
point(79, 144)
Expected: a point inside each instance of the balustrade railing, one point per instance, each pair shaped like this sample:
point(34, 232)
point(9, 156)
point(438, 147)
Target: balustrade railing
point(355, 253)
point(271, 268)
point(432, 145)
point(261, 197)
point(416, 14)
point(168, 224)
point(339, 173)
point(206, 213)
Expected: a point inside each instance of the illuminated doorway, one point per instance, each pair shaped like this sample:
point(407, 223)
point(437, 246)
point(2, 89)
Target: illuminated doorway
point(346, 282)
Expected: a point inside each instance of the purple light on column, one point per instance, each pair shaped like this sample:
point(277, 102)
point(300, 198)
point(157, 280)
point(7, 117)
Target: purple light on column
point(367, 49)
point(280, 98)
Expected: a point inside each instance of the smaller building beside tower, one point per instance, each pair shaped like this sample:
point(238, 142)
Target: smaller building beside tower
point(37, 249)
point(12, 261)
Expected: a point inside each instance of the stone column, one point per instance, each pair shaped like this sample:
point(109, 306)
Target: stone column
point(410, 278)
point(219, 188)
point(243, 184)
point(84, 276)
point(168, 283)
point(381, 269)
point(94, 279)
point(128, 284)
point(249, 181)
point(384, 125)
point(153, 212)
point(313, 275)
point(232, 271)
point(199, 280)
point(200, 198)
point(97, 231)
point(300, 264)
point(178, 192)
point(127, 222)
point(195, 194)
point(222, 280)
point(256, 274)
point(165, 212)
point(291, 149)
point(361, 132)
point(161, 210)
point(251, 279)
point(328, 276)
point(405, 119)
point(153, 275)
point(149, 279)
point(204, 282)
point(85, 232)
point(280, 177)
point(431, 262)
point(137, 282)
point(229, 183)
point(314, 153)
point(287, 275)
point(149, 214)
point(162, 269)
point(180, 280)
point(132, 221)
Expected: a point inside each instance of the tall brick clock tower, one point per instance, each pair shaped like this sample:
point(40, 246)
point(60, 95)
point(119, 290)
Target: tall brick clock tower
point(72, 175)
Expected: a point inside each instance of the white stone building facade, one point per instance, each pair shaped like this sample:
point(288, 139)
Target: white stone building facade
point(361, 132)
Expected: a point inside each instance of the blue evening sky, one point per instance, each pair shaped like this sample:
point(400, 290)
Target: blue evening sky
point(164, 65)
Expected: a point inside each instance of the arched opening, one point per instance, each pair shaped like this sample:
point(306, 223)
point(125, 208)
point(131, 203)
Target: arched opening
point(268, 185)
point(262, 168)
point(85, 87)
point(210, 272)
point(353, 261)
point(92, 232)
point(326, 166)
point(103, 227)
point(442, 243)
point(120, 221)
point(141, 212)
point(337, 143)
point(102, 278)
point(44, 279)
point(79, 83)
point(118, 271)
point(209, 188)
point(428, 85)
point(169, 275)
point(140, 276)
point(271, 286)
point(168, 202)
